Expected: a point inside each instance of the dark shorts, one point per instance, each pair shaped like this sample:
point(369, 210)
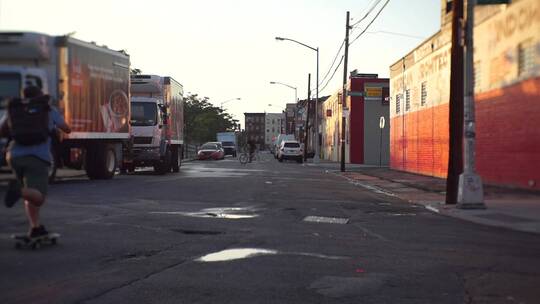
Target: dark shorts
point(31, 172)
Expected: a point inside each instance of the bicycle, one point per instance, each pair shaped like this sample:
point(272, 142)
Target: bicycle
point(244, 157)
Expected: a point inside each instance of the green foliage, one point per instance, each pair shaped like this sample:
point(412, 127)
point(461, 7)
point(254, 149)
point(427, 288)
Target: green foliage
point(203, 120)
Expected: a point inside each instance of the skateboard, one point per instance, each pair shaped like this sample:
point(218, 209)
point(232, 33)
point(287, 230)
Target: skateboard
point(23, 241)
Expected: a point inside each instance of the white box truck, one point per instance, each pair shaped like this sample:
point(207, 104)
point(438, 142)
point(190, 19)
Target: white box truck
point(157, 124)
point(228, 141)
point(89, 85)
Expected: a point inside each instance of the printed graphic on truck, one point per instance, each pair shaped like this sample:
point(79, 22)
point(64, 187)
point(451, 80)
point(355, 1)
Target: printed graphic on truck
point(98, 92)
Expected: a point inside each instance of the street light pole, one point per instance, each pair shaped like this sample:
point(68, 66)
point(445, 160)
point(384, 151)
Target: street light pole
point(470, 190)
point(228, 100)
point(316, 141)
point(289, 86)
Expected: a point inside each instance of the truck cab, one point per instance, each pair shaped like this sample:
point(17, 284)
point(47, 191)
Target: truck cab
point(155, 123)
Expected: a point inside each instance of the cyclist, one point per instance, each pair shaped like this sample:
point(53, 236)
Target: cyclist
point(252, 147)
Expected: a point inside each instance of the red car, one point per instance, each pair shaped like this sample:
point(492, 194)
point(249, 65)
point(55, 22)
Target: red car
point(210, 151)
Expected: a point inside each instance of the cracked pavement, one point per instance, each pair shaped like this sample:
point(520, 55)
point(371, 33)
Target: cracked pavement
point(129, 240)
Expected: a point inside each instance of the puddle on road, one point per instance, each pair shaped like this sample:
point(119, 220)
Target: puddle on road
point(231, 213)
point(235, 254)
point(244, 253)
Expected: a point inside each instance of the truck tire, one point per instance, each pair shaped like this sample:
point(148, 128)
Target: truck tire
point(176, 159)
point(101, 161)
point(164, 164)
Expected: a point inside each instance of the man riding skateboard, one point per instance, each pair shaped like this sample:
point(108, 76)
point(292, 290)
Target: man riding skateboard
point(30, 123)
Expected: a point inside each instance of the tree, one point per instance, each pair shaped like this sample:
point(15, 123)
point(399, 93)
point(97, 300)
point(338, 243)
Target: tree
point(203, 120)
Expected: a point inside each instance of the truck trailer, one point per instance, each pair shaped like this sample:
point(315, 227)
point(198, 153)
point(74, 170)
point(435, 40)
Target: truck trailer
point(89, 84)
point(157, 122)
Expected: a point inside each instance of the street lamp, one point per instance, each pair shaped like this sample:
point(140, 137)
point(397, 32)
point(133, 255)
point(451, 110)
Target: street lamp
point(228, 100)
point(316, 156)
point(289, 86)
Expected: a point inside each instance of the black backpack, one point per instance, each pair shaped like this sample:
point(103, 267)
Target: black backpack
point(28, 120)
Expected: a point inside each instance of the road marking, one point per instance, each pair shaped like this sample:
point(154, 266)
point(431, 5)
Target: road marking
point(327, 220)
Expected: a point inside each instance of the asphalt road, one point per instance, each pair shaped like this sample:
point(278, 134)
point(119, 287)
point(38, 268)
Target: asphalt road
point(144, 238)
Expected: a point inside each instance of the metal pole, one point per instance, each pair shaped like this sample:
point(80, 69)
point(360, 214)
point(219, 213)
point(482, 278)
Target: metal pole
point(344, 101)
point(316, 141)
point(306, 131)
point(470, 191)
point(455, 111)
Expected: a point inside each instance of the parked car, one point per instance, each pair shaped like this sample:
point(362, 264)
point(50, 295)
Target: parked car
point(210, 151)
point(290, 149)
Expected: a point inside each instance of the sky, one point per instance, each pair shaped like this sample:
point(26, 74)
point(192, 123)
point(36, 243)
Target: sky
point(226, 49)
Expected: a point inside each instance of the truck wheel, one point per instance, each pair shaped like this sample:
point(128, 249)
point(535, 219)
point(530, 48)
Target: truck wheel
point(101, 161)
point(176, 160)
point(164, 164)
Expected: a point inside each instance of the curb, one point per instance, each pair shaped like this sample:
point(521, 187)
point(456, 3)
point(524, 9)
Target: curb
point(482, 217)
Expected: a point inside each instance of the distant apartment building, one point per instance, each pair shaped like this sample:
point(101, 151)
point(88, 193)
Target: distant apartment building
point(366, 109)
point(507, 97)
point(275, 123)
point(255, 128)
point(290, 118)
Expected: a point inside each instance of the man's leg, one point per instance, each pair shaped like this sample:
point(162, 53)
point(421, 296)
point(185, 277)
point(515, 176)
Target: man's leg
point(35, 188)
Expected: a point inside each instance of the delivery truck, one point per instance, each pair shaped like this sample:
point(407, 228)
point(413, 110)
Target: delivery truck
point(228, 141)
point(89, 84)
point(157, 124)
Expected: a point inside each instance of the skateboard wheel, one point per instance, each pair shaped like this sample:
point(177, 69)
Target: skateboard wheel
point(53, 241)
point(18, 245)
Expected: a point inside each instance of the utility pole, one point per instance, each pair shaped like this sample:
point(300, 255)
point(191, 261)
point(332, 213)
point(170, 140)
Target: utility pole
point(470, 193)
point(306, 129)
point(455, 116)
point(344, 95)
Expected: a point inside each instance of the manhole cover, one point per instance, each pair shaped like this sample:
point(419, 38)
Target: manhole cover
point(324, 219)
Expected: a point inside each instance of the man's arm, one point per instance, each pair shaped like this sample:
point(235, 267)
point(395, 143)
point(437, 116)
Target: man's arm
point(59, 122)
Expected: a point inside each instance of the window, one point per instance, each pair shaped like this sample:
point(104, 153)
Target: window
point(407, 99)
point(398, 103)
point(423, 96)
point(273, 121)
point(525, 57)
point(448, 6)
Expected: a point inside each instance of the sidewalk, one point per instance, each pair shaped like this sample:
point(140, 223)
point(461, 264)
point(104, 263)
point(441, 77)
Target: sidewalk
point(509, 208)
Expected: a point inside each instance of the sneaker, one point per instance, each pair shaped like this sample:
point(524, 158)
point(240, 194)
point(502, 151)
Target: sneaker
point(38, 232)
point(13, 193)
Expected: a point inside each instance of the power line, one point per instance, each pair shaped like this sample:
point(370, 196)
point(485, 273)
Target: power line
point(396, 34)
point(370, 23)
point(367, 13)
point(333, 74)
point(333, 62)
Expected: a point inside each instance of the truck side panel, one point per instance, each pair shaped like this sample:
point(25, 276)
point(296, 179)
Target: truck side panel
point(97, 104)
point(175, 92)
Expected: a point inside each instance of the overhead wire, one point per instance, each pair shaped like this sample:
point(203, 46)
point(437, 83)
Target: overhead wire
point(370, 10)
point(370, 23)
point(333, 62)
point(367, 13)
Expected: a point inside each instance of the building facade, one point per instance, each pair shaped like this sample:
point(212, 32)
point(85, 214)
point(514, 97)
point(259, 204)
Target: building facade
point(255, 128)
point(290, 118)
point(274, 125)
point(507, 98)
point(365, 141)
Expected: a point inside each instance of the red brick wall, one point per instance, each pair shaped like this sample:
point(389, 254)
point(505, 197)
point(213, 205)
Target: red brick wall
point(422, 147)
point(508, 137)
